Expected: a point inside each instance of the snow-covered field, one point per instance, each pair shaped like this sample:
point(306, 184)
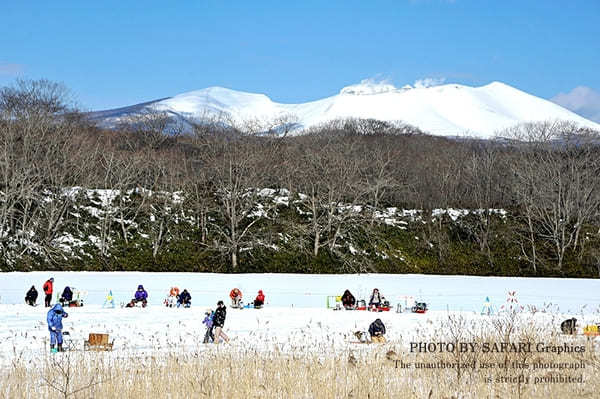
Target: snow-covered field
point(295, 315)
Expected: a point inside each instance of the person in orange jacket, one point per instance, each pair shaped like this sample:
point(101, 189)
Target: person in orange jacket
point(236, 298)
point(174, 291)
point(171, 300)
point(48, 288)
point(260, 300)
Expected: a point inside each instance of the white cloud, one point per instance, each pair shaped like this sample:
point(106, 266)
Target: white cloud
point(428, 82)
point(582, 100)
point(370, 86)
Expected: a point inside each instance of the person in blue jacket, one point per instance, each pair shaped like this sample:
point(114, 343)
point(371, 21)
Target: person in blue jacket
point(54, 319)
point(208, 321)
point(184, 299)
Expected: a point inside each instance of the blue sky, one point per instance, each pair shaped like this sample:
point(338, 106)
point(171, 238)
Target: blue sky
point(115, 53)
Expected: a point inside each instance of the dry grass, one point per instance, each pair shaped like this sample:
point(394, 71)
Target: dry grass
point(364, 372)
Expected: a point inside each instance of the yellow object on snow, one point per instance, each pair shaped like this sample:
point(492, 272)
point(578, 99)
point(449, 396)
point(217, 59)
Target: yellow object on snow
point(591, 330)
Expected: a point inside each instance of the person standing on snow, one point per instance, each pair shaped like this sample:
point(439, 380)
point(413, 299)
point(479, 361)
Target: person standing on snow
point(54, 319)
point(377, 332)
point(260, 300)
point(48, 288)
point(31, 296)
point(208, 322)
point(236, 298)
point(219, 322)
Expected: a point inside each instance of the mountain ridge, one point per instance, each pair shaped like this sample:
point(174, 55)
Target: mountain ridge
point(442, 110)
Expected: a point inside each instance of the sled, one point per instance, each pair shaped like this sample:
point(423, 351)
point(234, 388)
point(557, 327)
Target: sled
point(135, 305)
point(420, 307)
point(76, 303)
point(383, 308)
point(377, 309)
point(591, 330)
point(98, 342)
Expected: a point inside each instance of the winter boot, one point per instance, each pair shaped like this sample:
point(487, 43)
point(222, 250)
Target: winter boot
point(52, 349)
point(60, 348)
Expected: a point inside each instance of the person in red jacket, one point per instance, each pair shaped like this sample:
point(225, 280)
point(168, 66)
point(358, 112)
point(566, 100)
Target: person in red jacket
point(236, 298)
point(260, 300)
point(48, 287)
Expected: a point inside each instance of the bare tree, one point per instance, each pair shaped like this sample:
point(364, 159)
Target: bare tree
point(557, 182)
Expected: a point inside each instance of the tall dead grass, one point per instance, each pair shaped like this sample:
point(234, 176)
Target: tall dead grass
point(364, 371)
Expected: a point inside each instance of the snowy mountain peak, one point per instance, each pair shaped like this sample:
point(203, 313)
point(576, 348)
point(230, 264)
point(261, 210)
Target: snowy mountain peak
point(443, 110)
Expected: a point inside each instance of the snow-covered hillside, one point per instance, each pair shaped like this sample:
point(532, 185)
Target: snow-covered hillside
point(446, 110)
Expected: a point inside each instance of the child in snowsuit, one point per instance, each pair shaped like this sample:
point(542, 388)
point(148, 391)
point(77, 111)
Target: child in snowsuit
point(219, 322)
point(208, 322)
point(31, 296)
point(377, 331)
point(348, 300)
point(48, 288)
point(260, 300)
point(54, 319)
point(66, 297)
point(236, 298)
point(184, 299)
point(140, 296)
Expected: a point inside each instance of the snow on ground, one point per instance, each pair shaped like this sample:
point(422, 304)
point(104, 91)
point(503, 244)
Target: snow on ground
point(295, 315)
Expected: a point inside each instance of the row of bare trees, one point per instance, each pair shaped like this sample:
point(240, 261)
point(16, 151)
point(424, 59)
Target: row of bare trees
point(159, 174)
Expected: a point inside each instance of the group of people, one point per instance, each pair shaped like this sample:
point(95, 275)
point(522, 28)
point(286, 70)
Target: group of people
point(214, 322)
point(32, 295)
point(376, 301)
point(236, 299)
point(66, 299)
point(175, 297)
point(178, 299)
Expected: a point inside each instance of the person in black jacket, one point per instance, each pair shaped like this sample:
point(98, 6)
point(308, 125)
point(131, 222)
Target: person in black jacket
point(31, 296)
point(348, 300)
point(377, 331)
point(184, 299)
point(66, 297)
point(219, 322)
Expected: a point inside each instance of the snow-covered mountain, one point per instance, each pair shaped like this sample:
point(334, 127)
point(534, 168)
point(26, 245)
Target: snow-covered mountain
point(445, 110)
